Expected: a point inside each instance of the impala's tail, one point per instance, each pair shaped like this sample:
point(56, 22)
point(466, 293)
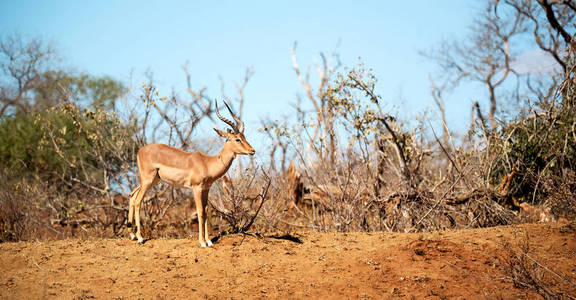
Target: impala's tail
point(133, 196)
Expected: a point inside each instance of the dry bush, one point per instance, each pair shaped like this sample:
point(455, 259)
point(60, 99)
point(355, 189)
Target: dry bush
point(91, 216)
point(337, 199)
point(561, 193)
point(363, 169)
point(527, 272)
point(13, 220)
point(360, 169)
point(168, 212)
point(33, 209)
point(239, 202)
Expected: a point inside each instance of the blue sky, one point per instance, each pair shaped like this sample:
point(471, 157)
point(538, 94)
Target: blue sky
point(223, 38)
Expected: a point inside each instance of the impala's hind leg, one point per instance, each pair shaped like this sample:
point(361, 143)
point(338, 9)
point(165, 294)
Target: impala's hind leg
point(133, 196)
point(145, 185)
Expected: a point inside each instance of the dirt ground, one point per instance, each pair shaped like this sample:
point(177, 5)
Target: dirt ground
point(446, 264)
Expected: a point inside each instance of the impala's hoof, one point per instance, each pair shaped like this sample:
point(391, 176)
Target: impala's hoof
point(133, 236)
point(209, 243)
point(140, 241)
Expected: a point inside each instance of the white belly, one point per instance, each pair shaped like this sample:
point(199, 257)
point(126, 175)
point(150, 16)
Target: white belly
point(175, 177)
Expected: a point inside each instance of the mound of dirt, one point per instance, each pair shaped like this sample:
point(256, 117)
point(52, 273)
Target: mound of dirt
point(464, 263)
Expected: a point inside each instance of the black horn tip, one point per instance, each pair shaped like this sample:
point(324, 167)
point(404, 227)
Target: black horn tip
point(229, 109)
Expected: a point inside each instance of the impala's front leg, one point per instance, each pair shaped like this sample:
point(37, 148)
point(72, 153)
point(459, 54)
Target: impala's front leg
point(205, 193)
point(201, 213)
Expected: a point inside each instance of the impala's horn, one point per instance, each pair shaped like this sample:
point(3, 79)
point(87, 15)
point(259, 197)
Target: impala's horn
point(224, 119)
point(239, 124)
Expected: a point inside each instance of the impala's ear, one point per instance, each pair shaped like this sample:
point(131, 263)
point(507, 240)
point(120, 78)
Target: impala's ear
point(221, 133)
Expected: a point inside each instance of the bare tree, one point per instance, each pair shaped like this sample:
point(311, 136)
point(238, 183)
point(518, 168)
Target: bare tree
point(178, 117)
point(484, 57)
point(497, 37)
point(324, 127)
point(548, 23)
point(275, 130)
point(21, 64)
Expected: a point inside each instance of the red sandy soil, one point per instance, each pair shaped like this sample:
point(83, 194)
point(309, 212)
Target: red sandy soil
point(445, 264)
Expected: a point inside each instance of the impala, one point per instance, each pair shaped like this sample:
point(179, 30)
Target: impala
point(193, 170)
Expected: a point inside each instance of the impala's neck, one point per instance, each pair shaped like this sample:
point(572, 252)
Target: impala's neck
point(221, 162)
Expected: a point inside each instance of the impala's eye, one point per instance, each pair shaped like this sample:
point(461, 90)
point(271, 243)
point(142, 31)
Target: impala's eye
point(238, 140)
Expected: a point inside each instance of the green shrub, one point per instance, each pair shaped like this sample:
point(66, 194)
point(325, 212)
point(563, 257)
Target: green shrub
point(66, 145)
point(539, 147)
